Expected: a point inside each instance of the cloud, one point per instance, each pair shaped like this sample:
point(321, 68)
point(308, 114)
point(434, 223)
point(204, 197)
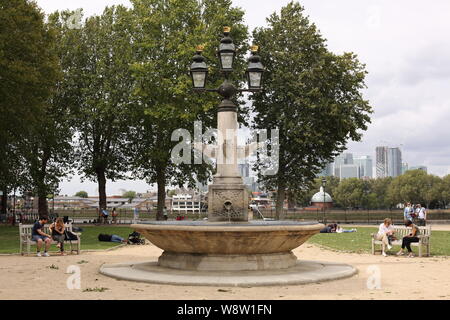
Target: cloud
point(404, 44)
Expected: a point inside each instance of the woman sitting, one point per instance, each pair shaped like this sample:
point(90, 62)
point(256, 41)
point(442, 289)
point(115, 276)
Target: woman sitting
point(58, 229)
point(407, 240)
point(385, 231)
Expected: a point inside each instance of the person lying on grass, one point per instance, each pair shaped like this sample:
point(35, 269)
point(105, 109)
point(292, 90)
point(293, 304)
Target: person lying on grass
point(38, 235)
point(407, 240)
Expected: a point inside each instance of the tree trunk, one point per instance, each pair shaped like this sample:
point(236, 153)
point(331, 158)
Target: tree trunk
point(101, 178)
point(4, 201)
point(42, 203)
point(161, 181)
point(292, 203)
point(281, 193)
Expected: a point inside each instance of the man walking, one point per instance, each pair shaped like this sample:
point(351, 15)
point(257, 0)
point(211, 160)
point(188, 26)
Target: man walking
point(422, 214)
point(407, 213)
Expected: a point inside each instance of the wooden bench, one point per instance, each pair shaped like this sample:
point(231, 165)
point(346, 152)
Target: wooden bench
point(400, 232)
point(25, 231)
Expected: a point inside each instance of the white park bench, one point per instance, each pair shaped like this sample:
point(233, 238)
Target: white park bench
point(400, 232)
point(25, 238)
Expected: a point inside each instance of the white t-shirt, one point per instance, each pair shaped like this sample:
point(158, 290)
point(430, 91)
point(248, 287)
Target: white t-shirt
point(383, 229)
point(422, 213)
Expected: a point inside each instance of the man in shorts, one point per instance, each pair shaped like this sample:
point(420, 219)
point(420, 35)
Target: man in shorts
point(38, 235)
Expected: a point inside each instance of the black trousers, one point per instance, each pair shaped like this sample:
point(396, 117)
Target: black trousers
point(407, 242)
point(60, 238)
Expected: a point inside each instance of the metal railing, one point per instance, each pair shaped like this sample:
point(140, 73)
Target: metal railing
point(126, 216)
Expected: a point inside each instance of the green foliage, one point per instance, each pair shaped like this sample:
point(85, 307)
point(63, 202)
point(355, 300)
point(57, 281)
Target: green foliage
point(82, 194)
point(166, 34)
point(310, 94)
point(96, 60)
point(351, 192)
point(28, 70)
point(415, 186)
point(129, 194)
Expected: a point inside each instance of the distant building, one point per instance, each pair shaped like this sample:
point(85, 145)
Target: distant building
point(327, 171)
point(322, 199)
point(388, 162)
point(365, 165)
point(186, 203)
point(341, 160)
point(394, 162)
point(381, 162)
point(348, 171)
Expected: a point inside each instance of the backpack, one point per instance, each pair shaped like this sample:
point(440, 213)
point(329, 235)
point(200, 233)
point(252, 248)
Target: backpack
point(135, 238)
point(70, 236)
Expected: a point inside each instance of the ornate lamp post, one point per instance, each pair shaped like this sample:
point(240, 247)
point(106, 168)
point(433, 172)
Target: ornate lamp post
point(227, 197)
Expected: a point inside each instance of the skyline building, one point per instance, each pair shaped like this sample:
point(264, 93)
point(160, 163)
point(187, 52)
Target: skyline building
point(381, 162)
point(348, 171)
point(365, 165)
point(394, 166)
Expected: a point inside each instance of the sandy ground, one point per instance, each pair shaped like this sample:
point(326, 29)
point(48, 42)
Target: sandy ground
point(401, 278)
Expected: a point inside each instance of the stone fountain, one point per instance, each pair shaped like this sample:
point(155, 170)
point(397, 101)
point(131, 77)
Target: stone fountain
point(228, 249)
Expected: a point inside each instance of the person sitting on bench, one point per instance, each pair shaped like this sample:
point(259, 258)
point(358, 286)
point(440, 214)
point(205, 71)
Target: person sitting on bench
point(38, 235)
point(58, 233)
point(407, 240)
point(385, 231)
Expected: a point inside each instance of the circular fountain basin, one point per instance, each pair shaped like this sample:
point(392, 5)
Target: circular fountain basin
point(255, 237)
point(256, 253)
point(219, 246)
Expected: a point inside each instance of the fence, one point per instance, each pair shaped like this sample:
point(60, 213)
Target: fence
point(351, 216)
point(325, 216)
point(81, 216)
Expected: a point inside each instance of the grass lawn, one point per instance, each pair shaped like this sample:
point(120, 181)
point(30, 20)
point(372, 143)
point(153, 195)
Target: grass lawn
point(359, 241)
point(9, 238)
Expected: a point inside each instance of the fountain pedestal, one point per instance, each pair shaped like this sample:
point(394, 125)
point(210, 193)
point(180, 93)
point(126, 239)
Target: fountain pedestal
point(227, 202)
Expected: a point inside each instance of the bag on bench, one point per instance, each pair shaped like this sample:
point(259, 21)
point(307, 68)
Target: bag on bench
point(70, 236)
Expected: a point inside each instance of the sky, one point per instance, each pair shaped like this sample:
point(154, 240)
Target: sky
point(406, 49)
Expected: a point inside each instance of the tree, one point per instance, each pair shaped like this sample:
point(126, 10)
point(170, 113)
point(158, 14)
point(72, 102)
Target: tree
point(82, 194)
point(97, 62)
point(352, 193)
point(50, 154)
point(27, 72)
point(415, 186)
point(129, 194)
point(312, 96)
point(378, 197)
point(167, 33)
point(445, 190)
